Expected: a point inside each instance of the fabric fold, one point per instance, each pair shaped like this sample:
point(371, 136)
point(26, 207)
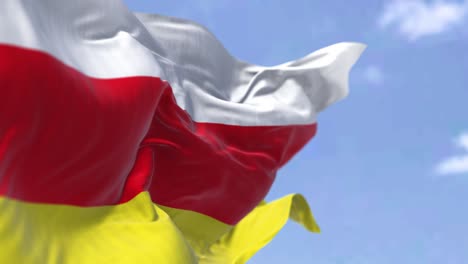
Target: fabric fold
point(138, 138)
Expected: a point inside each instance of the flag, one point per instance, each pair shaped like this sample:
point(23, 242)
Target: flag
point(137, 138)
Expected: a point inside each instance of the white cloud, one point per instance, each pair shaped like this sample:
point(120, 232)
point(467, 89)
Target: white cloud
point(462, 141)
point(456, 164)
point(374, 75)
point(418, 18)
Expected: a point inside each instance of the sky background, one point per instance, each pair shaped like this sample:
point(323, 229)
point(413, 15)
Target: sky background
point(387, 174)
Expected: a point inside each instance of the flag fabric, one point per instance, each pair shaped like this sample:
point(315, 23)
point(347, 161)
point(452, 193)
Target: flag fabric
point(137, 138)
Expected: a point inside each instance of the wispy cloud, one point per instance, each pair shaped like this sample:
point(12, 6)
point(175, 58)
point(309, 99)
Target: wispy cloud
point(456, 164)
point(373, 74)
point(418, 18)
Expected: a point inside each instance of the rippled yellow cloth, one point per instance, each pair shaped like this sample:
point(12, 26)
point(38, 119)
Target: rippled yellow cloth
point(138, 232)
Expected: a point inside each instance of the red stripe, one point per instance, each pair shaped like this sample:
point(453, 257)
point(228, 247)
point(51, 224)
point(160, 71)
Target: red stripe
point(70, 139)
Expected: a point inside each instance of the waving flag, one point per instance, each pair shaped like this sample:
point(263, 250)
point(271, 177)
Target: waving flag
point(136, 138)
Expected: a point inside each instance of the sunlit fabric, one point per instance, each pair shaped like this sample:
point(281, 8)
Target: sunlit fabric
point(136, 138)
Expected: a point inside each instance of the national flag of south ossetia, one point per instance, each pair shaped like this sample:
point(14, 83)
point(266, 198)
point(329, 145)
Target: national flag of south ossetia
point(136, 138)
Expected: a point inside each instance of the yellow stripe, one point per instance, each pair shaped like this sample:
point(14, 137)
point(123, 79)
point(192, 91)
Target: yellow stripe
point(138, 232)
point(215, 242)
point(134, 232)
point(200, 231)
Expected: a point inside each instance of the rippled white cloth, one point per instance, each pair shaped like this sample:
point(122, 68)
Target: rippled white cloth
point(104, 39)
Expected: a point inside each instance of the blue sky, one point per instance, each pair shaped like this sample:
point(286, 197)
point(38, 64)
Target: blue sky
point(387, 174)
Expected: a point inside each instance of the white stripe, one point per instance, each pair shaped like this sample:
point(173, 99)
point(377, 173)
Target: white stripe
point(103, 39)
